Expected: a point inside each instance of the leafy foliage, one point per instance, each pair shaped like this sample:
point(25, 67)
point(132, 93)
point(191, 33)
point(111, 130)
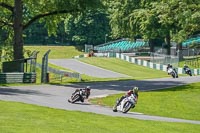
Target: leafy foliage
point(169, 19)
point(18, 15)
point(88, 28)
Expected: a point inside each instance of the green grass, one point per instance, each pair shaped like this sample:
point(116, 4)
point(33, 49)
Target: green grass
point(137, 72)
point(178, 102)
point(57, 52)
point(124, 67)
point(23, 118)
point(192, 63)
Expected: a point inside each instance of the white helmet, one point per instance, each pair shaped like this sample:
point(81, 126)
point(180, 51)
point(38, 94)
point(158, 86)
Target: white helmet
point(87, 87)
point(135, 89)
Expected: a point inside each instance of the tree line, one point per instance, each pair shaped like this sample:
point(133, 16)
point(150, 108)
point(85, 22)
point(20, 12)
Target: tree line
point(82, 22)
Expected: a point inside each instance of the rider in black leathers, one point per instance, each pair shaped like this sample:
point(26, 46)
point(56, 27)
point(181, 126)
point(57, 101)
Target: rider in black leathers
point(187, 70)
point(85, 93)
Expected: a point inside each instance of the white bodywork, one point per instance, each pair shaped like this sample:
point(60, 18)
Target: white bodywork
point(132, 99)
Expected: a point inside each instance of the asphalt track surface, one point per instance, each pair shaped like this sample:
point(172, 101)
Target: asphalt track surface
point(84, 68)
point(55, 96)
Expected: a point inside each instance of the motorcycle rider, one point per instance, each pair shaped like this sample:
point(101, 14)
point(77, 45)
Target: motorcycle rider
point(187, 70)
point(134, 91)
point(85, 92)
point(169, 66)
point(185, 67)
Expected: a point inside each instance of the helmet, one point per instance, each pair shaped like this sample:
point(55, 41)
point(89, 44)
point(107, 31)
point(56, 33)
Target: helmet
point(135, 90)
point(87, 87)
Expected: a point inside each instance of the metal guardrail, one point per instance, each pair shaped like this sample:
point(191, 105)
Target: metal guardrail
point(65, 73)
point(61, 72)
point(18, 77)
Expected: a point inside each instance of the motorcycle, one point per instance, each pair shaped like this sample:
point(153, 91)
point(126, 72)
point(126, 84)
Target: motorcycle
point(187, 71)
point(126, 104)
point(80, 95)
point(172, 72)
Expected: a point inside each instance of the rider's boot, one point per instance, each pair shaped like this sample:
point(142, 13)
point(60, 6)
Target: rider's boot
point(119, 101)
point(82, 100)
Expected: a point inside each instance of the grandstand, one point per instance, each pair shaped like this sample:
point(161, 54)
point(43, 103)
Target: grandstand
point(191, 41)
point(122, 45)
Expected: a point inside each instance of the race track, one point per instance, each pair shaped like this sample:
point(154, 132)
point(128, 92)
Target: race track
point(56, 96)
point(87, 69)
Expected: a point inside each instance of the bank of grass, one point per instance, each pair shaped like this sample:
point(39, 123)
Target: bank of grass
point(177, 102)
point(23, 118)
point(124, 67)
point(60, 52)
point(57, 52)
point(191, 61)
point(117, 65)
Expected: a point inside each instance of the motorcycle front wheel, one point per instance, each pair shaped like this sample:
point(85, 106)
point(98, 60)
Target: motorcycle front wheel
point(114, 108)
point(173, 75)
point(127, 107)
point(190, 73)
point(75, 98)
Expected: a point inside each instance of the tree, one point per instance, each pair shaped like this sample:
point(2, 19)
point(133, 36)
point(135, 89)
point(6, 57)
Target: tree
point(88, 28)
point(19, 14)
point(120, 11)
point(179, 19)
point(169, 19)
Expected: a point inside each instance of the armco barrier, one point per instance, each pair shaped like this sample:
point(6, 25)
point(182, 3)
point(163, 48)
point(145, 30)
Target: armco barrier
point(18, 77)
point(62, 72)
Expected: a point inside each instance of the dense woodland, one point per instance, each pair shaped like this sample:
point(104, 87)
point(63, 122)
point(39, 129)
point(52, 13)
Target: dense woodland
point(80, 22)
point(89, 28)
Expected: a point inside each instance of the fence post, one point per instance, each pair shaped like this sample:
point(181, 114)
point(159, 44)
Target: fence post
point(44, 74)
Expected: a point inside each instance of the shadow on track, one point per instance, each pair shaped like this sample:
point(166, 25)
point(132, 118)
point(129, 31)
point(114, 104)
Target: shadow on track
point(11, 91)
point(144, 85)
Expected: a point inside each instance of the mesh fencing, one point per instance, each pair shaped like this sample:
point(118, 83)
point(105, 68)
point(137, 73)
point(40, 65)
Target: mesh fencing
point(164, 59)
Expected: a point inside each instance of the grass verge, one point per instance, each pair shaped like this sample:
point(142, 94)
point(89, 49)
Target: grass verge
point(178, 102)
point(124, 67)
point(23, 118)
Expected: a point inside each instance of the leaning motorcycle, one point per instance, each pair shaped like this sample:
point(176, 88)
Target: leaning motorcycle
point(126, 104)
point(188, 71)
point(172, 72)
point(78, 96)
